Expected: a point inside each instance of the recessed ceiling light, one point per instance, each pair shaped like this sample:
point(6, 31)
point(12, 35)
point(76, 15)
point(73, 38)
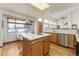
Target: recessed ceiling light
point(41, 6)
point(46, 21)
point(40, 19)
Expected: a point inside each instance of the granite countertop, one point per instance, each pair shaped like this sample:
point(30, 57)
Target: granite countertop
point(64, 31)
point(30, 36)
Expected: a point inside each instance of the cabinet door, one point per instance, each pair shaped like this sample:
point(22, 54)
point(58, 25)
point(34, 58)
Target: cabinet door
point(37, 49)
point(59, 37)
point(71, 41)
point(46, 45)
point(66, 40)
point(26, 48)
point(53, 37)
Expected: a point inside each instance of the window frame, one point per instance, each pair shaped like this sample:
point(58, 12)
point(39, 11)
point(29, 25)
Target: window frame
point(15, 25)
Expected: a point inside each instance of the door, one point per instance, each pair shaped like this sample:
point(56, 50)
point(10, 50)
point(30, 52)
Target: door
point(37, 49)
point(40, 28)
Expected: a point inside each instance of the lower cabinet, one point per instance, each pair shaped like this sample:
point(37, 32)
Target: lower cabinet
point(46, 45)
point(72, 41)
point(37, 47)
point(63, 39)
point(67, 40)
point(52, 37)
point(26, 47)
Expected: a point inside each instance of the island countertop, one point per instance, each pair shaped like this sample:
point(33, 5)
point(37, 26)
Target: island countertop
point(30, 36)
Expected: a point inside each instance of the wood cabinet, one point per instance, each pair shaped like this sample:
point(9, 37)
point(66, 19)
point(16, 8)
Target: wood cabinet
point(46, 45)
point(72, 41)
point(52, 37)
point(67, 40)
point(37, 47)
point(26, 48)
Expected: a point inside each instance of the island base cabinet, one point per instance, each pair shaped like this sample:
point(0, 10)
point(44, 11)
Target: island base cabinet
point(37, 49)
point(46, 46)
point(26, 51)
point(26, 47)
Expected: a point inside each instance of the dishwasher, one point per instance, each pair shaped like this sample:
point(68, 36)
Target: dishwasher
point(62, 39)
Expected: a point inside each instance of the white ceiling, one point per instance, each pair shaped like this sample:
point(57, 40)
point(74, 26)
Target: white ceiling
point(56, 10)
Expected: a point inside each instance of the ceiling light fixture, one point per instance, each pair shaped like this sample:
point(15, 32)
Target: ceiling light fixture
point(41, 6)
point(40, 19)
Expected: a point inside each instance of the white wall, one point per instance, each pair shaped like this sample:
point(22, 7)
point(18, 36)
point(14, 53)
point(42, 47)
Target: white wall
point(68, 20)
point(61, 21)
point(1, 31)
point(75, 17)
point(4, 36)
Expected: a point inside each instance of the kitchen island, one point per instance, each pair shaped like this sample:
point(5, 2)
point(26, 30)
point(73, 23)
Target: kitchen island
point(35, 45)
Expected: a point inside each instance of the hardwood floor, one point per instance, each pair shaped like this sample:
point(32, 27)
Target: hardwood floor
point(56, 50)
point(15, 49)
point(12, 49)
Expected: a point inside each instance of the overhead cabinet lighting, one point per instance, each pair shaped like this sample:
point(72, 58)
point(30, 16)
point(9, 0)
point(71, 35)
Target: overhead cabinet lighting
point(41, 6)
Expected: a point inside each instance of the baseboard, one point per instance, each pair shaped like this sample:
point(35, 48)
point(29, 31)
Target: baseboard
point(11, 42)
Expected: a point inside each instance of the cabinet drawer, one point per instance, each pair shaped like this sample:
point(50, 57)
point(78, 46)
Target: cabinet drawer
point(37, 41)
point(37, 49)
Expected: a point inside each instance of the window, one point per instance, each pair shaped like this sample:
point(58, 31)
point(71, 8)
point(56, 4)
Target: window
point(16, 25)
point(49, 25)
point(46, 25)
point(20, 28)
point(11, 27)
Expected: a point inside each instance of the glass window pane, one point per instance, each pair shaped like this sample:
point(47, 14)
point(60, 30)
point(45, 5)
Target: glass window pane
point(11, 27)
point(46, 21)
point(11, 20)
point(20, 28)
point(19, 21)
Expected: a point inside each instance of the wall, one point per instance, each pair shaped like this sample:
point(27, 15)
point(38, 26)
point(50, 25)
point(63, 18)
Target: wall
point(1, 31)
point(62, 22)
point(75, 17)
point(68, 20)
point(4, 36)
point(59, 22)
